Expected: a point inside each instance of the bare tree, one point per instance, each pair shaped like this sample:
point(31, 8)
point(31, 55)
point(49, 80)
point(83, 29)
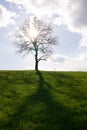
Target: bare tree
point(36, 36)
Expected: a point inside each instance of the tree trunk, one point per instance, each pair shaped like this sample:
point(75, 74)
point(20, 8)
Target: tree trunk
point(36, 64)
point(36, 58)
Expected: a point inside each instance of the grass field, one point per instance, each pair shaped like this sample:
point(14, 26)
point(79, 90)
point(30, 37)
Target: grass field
point(31, 100)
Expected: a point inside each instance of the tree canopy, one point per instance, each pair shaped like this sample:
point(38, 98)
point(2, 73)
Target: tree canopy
point(37, 36)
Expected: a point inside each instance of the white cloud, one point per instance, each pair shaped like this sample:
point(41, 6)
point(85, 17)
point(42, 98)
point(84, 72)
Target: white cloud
point(72, 13)
point(83, 41)
point(6, 17)
point(59, 58)
point(65, 63)
point(75, 17)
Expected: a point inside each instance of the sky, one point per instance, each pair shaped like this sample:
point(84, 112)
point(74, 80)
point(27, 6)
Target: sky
point(69, 20)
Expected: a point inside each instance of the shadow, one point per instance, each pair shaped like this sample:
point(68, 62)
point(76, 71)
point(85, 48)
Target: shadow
point(41, 111)
point(57, 115)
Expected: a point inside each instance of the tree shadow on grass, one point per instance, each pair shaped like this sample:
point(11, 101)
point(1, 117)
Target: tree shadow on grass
point(57, 115)
point(40, 111)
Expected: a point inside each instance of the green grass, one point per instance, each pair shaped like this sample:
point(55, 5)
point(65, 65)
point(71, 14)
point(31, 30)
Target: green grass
point(31, 100)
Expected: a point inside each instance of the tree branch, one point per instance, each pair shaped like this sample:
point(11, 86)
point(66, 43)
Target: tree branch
point(44, 57)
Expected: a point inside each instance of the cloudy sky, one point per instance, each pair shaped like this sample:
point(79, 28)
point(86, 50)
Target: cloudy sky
point(69, 19)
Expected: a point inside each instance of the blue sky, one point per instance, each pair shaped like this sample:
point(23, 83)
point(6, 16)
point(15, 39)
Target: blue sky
point(69, 19)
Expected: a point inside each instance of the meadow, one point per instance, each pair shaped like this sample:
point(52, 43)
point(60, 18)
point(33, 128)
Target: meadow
point(41, 100)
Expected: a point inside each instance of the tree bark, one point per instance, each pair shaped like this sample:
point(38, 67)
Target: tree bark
point(36, 58)
point(36, 64)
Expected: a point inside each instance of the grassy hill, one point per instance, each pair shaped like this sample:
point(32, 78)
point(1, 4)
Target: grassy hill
point(31, 100)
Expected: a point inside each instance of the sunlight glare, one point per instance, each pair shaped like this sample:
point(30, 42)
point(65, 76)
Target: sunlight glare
point(33, 32)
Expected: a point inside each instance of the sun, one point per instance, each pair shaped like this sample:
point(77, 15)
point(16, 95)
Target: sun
point(33, 32)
